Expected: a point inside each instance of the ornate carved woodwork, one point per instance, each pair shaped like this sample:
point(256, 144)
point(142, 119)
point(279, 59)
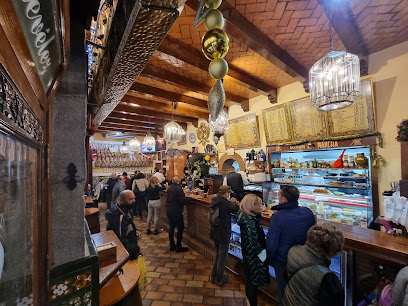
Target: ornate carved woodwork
point(133, 41)
point(15, 111)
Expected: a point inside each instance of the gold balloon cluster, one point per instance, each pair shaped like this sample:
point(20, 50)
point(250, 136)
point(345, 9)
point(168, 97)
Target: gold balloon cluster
point(215, 43)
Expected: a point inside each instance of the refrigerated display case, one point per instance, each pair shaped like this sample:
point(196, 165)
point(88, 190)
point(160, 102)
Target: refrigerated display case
point(337, 194)
point(338, 262)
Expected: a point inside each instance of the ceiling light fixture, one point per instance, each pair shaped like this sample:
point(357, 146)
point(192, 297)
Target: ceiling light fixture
point(149, 141)
point(173, 132)
point(334, 80)
point(219, 126)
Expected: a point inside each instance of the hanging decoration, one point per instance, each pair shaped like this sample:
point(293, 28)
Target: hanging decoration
point(216, 99)
point(334, 80)
point(173, 132)
point(218, 126)
point(134, 145)
point(203, 132)
point(215, 45)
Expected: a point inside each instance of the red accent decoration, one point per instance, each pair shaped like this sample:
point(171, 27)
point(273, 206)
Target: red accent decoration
point(339, 162)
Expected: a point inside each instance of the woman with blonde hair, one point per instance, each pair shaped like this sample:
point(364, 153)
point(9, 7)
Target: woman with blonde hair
point(311, 282)
point(253, 246)
point(153, 207)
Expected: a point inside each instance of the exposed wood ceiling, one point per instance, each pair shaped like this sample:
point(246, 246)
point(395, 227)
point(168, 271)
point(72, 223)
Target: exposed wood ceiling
point(273, 43)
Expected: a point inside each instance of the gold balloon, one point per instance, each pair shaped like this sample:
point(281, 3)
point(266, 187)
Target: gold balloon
point(215, 3)
point(215, 44)
point(218, 68)
point(213, 20)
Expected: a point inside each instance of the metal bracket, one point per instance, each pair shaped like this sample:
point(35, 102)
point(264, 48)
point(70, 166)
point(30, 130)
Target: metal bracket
point(72, 179)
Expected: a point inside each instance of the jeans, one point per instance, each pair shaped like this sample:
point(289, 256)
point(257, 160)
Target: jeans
point(251, 290)
point(108, 199)
point(153, 209)
point(280, 269)
point(175, 220)
point(220, 261)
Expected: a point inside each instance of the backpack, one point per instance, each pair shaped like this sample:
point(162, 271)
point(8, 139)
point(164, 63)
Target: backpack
point(135, 189)
point(214, 215)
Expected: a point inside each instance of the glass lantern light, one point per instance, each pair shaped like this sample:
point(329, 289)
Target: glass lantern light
point(334, 80)
point(149, 141)
point(173, 132)
point(134, 145)
point(124, 148)
point(218, 126)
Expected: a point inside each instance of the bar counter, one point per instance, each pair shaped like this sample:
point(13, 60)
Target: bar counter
point(369, 247)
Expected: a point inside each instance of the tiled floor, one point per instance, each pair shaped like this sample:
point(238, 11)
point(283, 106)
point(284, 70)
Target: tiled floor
point(182, 278)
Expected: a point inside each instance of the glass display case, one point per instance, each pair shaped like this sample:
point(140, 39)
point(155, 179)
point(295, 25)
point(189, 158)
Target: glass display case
point(334, 183)
point(235, 249)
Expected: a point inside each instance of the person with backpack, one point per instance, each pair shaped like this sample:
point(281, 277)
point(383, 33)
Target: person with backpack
point(221, 208)
point(139, 186)
point(253, 246)
point(310, 281)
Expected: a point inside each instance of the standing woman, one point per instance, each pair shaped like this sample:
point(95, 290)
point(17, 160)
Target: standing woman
point(153, 206)
point(139, 186)
point(98, 192)
point(253, 246)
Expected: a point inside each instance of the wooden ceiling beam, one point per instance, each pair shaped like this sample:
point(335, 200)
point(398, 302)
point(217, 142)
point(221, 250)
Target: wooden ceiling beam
point(183, 108)
point(131, 127)
point(165, 76)
point(127, 131)
point(243, 30)
point(141, 119)
point(345, 25)
point(155, 114)
point(133, 123)
point(149, 91)
point(190, 55)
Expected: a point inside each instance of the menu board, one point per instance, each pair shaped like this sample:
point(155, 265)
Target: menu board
point(356, 119)
point(308, 123)
point(277, 124)
point(242, 133)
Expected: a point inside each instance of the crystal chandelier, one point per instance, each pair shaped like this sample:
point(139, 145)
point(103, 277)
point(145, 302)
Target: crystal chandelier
point(134, 145)
point(124, 148)
point(334, 80)
point(149, 141)
point(173, 132)
point(219, 126)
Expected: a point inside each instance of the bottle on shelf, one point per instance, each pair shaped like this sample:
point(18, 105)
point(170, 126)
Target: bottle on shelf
point(351, 163)
point(345, 161)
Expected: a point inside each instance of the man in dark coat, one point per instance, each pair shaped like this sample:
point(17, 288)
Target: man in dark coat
point(221, 232)
point(288, 227)
point(174, 207)
point(235, 181)
point(120, 220)
point(118, 188)
point(111, 183)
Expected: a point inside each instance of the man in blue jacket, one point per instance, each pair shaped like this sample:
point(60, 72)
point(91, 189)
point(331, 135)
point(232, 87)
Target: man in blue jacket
point(288, 227)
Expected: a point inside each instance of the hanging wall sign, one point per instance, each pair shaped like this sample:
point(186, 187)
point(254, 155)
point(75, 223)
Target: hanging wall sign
point(40, 23)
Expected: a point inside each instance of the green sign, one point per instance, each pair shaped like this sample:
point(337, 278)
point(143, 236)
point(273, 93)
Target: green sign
point(40, 22)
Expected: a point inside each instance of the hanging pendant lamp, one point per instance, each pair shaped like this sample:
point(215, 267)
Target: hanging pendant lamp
point(149, 141)
point(218, 126)
point(334, 80)
point(124, 148)
point(173, 132)
point(134, 145)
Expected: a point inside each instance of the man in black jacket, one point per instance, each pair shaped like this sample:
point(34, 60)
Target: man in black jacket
point(175, 205)
point(120, 220)
point(235, 181)
point(221, 232)
point(111, 183)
